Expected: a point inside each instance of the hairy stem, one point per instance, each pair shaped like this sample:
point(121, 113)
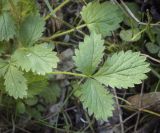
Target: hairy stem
point(69, 73)
point(64, 33)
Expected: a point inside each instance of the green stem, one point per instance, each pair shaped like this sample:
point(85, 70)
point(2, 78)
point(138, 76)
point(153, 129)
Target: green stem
point(48, 5)
point(69, 73)
point(65, 32)
point(139, 33)
point(69, 25)
point(55, 17)
point(56, 9)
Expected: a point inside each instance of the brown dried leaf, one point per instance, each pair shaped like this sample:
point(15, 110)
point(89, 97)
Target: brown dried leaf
point(149, 101)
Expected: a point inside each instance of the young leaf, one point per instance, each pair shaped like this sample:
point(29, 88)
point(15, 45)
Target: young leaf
point(51, 93)
point(7, 26)
point(130, 35)
point(37, 59)
point(152, 48)
point(20, 107)
point(98, 101)
point(36, 84)
point(89, 54)
point(31, 101)
point(33, 112)
point(31, 29)
point(15, 83)
point(123, 70)
point(102, 17)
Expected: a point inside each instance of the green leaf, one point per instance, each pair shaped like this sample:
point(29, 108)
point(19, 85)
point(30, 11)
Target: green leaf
point(15, 82)
point(49, 45)
point(20, 107)
point(31, 29)
point(7, 26)
point(33, 112)
point(3, 48)
point(37, 59)
point(51, 93)
point(3, 67)
point(123, 70)
point(98, 101)
point(130, 35)
point(102, 17)
point(89, 54)
point(36, 84)
point(6, 4)
point(31, 101)
point(152, 48)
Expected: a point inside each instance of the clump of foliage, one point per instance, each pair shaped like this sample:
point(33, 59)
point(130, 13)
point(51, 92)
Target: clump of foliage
point(24, 52)
point(25, 60)
point(121, 70)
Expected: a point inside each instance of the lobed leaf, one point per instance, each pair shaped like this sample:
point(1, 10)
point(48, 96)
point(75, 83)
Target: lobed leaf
point(3, 67)
point(102, 18)
point(15, 83)
point(96, 99)
point(37, 59)
point(123, 70)
point(89, 54)
point(7, 26)
point(31, 29)
point(36, 84)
